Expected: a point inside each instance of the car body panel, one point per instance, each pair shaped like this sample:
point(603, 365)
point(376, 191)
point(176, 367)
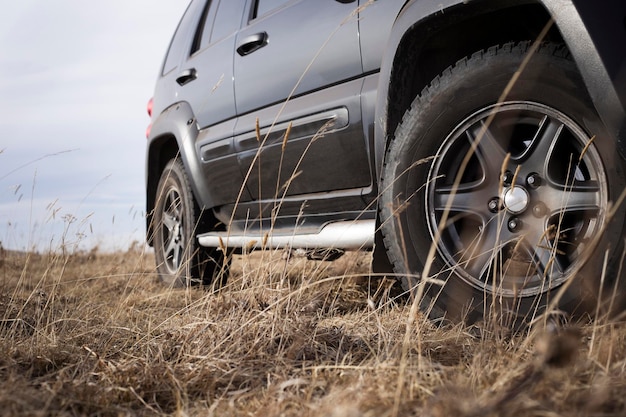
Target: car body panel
point(325, 150)
point(308, 48)
point(375, 19)
point(601, 63)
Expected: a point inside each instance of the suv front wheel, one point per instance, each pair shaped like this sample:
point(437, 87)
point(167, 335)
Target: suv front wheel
point(497, 186)
point(180, 260)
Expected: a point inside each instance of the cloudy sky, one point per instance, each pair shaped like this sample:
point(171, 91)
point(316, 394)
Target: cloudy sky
point(75, 77)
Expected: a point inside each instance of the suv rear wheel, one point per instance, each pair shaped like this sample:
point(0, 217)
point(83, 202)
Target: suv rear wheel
point(180, 259)
point(501, 194)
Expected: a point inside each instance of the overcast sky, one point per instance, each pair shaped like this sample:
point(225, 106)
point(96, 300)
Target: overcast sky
point(75, 77)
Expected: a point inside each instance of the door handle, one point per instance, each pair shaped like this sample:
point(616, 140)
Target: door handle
point(187, 76)
point(252, 43)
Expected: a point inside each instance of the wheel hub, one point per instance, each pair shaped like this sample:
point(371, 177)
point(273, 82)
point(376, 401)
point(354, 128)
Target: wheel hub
point(176, 232)
point(516, 199)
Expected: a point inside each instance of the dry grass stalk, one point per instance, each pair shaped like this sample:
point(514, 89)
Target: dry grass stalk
point(96, 334)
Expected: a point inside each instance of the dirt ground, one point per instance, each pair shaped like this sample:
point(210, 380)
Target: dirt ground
point(98, 334)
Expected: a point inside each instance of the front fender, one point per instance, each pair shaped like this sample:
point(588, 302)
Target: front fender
point(413, 13)
point(595, 34)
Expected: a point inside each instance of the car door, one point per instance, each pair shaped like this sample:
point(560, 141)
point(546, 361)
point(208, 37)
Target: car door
point(205, 81)
point(205, 78)
point(298, 68)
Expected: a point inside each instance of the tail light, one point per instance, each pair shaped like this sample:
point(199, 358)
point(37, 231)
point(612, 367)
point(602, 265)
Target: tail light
point(149, 108)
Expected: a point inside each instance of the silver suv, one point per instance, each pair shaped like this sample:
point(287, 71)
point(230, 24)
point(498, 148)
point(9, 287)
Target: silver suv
point(477, 147)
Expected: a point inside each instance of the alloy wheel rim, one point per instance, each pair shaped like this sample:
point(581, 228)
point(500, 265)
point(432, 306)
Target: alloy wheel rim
point(521, 209)
point(172, 227)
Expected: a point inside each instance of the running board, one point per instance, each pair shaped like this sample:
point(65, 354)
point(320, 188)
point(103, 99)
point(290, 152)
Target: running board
point(358, 234)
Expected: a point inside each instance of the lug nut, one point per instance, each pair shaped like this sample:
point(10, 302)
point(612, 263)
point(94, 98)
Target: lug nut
point(494, 205)
point(514, 224)
point(533, 180)
point(539, 210)
point(507, 178)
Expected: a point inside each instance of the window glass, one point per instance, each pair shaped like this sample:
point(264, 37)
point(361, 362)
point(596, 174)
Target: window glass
point(179, 40)
point(227, 19)
point(264, 6)
point(203, 26)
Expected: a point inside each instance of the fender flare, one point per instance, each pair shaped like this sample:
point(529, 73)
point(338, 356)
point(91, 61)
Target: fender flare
point(176, 122)
point(602, 65)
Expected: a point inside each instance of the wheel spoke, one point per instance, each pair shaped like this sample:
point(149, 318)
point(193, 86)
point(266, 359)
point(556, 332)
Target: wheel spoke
point(577, 198)
point(169, 221)
point(173, 203)
point(538, 153)
point(479, 247)
point(172, 222)
point(465, 199)
point(177, 252)
point(174, 251)
point(538, 243)
point(171, 247)
point(490, 152)
point(528, 265)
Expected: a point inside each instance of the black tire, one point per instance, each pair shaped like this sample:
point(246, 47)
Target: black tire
point(511, 240)
point(180, 260)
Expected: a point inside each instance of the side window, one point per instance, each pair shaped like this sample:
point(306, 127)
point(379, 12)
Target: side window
point(227, 20)
point(215, 25)
point(201, 37)
point(264, 6)
point(179, 40)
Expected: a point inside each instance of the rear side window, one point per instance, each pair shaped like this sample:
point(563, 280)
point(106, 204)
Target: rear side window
point(227, 20)
point(180, 38)
point(204, 27)
point(264, 6)
point(216, 25)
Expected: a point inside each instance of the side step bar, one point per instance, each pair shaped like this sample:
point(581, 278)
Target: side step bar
point(358, 234)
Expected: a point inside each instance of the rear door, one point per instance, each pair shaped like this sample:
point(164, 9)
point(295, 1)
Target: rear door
point(205, 77)
point(299, 62)
point(205, 81)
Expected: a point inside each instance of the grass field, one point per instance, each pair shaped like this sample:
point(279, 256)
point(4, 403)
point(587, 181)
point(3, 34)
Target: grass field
point(97, 334)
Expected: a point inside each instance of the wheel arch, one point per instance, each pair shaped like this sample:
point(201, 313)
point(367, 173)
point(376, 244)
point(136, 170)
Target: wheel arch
point(160, 150)
point(427, 38)
point(426, 42)
point(173, 133)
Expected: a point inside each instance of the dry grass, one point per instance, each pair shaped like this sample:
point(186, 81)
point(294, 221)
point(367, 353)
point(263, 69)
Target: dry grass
point(96, 334)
